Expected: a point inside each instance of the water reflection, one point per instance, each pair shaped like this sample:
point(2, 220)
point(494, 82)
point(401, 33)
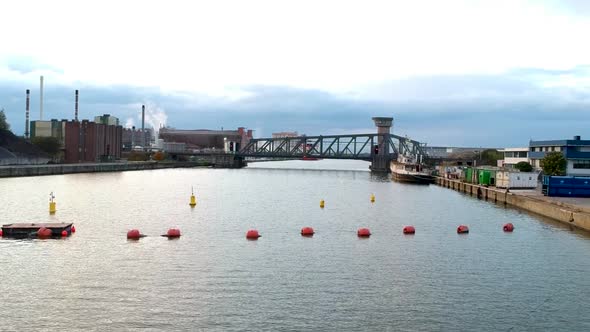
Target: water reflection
point(212, 278)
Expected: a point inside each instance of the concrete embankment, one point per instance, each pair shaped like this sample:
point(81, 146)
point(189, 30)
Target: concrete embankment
point(570, 214)
point(37, 170)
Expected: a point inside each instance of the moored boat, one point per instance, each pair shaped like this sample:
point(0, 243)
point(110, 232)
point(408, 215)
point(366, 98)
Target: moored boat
point(411, 173)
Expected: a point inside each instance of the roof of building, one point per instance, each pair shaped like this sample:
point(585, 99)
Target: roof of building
point(561, 142)
point(514, 149)
point(198, 132)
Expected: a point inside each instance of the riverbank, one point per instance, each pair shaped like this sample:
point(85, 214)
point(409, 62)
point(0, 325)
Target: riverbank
point(55, 169)
point(570, 213)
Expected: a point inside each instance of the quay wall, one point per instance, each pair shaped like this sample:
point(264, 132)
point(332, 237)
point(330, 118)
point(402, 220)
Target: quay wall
point(38, 170)
point(565, 213)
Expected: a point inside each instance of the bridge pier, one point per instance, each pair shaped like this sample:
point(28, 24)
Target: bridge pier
point(381, 156)
point(380, 164)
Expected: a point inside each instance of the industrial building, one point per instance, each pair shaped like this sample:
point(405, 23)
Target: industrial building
point(284, 134)
point(53, 128)
point(107, 119)
point(88, 141)
point(132, 138)
point(576, 151)
point(202, 139)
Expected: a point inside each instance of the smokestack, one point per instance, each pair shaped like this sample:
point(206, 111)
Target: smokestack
point(143, 126)
point(27, 116)
point(132, 137)
point(76, 108)
point(41, 98)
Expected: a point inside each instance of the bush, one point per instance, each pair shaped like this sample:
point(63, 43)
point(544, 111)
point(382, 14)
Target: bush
point(49, 145)
point(524, 166)
point(138, 156)
point(159, 156)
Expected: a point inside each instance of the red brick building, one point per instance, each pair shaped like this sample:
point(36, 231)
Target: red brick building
point(88, 141)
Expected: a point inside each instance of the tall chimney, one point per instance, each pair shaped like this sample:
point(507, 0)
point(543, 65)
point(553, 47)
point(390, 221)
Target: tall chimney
point(76, 108)
point(132, 137)
point(27, 116)
point(143, 126)
point(41, 98)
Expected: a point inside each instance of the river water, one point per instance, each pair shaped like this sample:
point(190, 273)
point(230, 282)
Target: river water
point(536, 278)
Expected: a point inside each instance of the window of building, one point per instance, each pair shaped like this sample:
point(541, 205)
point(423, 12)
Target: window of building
point(585, 164)
point(552, 148)
point(522, 154)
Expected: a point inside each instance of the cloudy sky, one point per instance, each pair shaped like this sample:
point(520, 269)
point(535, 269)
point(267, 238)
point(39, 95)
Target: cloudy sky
point(466, 73)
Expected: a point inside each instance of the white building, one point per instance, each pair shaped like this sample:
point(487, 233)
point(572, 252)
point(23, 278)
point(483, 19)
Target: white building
point(513, 156)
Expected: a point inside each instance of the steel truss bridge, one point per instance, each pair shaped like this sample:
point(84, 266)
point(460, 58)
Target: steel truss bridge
point(361, 147)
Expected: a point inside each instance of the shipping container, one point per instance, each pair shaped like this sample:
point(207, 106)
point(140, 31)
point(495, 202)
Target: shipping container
point(468, 175)
point(566, 186)
point(486, 177)
point(516, 180)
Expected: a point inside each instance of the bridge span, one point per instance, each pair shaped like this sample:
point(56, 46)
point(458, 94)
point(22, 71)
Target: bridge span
point(379, 148)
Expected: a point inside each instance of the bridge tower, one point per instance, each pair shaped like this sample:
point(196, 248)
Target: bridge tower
point(382, 156)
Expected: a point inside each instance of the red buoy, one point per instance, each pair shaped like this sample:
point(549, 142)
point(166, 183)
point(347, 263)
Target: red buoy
point(462, 229)
point(173, 233)
point(73, 229)
point(363, 232)
point(64, 233)
point(44, 233)
point(252, 234)
point(307, 231)
point(134, 234)
point(508, 227)
point(409, 230)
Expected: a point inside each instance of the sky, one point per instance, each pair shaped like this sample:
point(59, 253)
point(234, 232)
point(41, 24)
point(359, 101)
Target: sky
point(454, 72)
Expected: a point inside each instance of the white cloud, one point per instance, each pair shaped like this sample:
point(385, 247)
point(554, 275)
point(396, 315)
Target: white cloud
point(215, 46)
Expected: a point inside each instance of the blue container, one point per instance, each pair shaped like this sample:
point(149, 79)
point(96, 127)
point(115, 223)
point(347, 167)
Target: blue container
point(566, 186)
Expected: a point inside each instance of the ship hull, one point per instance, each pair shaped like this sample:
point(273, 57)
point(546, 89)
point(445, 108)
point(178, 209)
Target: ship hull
point(412, 178)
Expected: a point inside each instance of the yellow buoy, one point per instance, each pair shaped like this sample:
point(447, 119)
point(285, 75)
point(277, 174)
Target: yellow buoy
point(52, 204)
point(193, 199)
point(372, 198)
point(322, 203)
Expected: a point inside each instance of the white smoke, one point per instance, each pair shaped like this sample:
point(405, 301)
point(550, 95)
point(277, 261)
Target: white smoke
point(155, 117)
point(130, 123)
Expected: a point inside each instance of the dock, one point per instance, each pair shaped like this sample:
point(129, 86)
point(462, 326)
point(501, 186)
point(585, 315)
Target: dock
point(569, 213)
point(24, 230)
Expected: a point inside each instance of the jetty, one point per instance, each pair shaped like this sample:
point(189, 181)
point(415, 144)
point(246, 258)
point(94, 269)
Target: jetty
point(24, 230)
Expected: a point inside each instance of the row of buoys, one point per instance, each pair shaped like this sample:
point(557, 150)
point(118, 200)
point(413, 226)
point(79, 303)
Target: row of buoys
point(253, 234)
point(135, 234)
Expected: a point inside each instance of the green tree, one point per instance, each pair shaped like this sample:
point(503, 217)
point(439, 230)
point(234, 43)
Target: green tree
point(49, 145)
point(554, 163)
point(490, 157)
point(3, 123)
point(523, 166)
